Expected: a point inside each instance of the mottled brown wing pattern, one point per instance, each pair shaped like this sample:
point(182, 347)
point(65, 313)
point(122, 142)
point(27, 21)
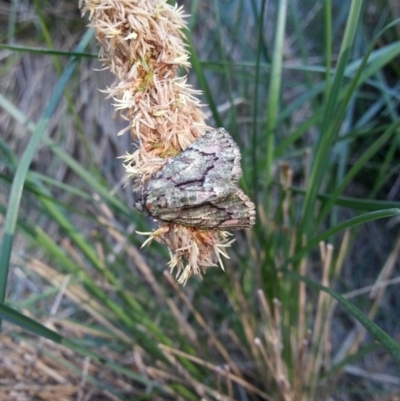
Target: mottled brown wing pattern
point(199, 187)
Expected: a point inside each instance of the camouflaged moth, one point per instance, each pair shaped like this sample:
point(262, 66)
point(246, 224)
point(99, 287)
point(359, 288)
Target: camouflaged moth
point(199, 187)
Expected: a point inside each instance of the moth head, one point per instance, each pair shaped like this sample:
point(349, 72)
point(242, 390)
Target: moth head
point(142, 206)
point(139, 205)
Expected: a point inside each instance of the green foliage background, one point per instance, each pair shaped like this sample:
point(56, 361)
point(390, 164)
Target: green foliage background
point(305, 87)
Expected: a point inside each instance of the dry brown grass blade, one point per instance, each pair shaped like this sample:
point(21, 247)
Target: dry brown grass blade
point(353, 340)
point(386, 271)
point(240, 305)
point(212, 336)
point(200, 388)
point(271, 348)
point(320, 338)
point(133, 253)
point(183, 325)
point(27, 373)
point(301, 342)
point(222, 371)
point(79, 296)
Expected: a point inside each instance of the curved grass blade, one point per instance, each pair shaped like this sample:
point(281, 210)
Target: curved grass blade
point(48, 52)
point(32, 326)
point(389, 133)
point(327, 133)
point(23, 167)
point(355, 221)
point(391, 346)
point(354, 203)
point(274, 93)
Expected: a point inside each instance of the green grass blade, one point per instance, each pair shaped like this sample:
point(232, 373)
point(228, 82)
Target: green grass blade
point(354, 203)
point(328, 45)
point(255, 135)
point(23, 167)
point(391, 346)
point(48, 52)
point(274, 93)
point(203, 83)
point(355, 221)
point(32, 326)
point(68, 160)
point(360, 163)
point(28, 324)
point(327, 134)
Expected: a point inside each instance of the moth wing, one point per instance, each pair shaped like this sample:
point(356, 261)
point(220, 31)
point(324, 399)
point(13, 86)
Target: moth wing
point(212, 159)
point(226, 163)
point(198, 187)
point(162, 200)
point(231, 211)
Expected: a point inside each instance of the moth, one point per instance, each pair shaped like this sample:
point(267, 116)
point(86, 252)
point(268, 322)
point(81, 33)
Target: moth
point(199, 187)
